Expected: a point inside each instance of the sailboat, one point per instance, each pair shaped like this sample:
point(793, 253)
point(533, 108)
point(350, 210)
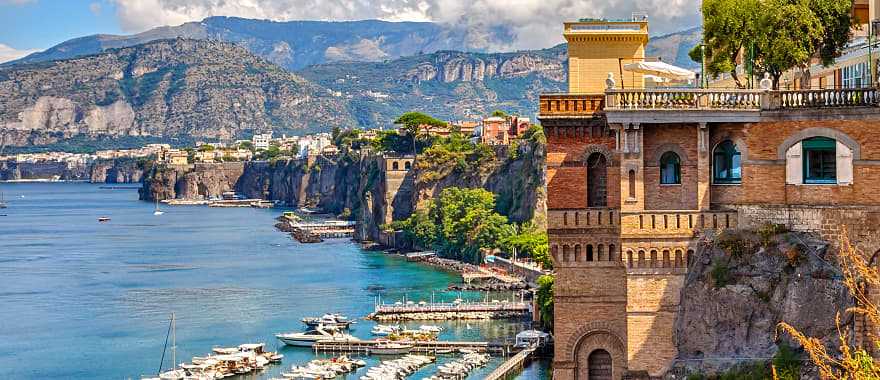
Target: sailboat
point(174, 373)
point(2, 200)
point(157, 212)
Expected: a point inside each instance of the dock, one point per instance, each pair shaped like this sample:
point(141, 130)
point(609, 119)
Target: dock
point(364, 346)
point(454, 307)
point(316, 232)
point(515, 364)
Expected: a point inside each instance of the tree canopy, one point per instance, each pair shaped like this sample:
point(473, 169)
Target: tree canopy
point(781, 34)
point(413, 121)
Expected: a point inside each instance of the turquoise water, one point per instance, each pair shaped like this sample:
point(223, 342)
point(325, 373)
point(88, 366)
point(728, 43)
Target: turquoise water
point(88, 300)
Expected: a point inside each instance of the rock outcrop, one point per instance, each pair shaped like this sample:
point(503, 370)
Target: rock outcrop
point(742, 285)
point(122, 170)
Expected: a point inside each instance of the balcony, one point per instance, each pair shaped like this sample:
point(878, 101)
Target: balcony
point(707, 105)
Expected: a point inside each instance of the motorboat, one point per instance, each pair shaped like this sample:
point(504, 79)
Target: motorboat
point(104, 219)
point(383, 330)
point(310, 337)
point(329, 320)
point(391, 349)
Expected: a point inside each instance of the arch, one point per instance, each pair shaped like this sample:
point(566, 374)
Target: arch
point(597, 180)
point(590, 338)
point(610, 252)
point(590, 252)
point(407, 165)
point(667, 261)
point(577, 252)
point(689, 258)
point(599, 365)
point(641, 259)
point(661, 150)
point(806, 133)
point(677, 263)
point(600, 252)
point(654, 261)
point(566, 252)
point(395, 165)
point(629, 259)
point(726, 163)
point(670, 169)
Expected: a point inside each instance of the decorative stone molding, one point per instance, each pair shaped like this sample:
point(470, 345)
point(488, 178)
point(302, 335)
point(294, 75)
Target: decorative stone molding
point(669, 147)
point(601, 149)
point(576, 339)
point(820, 132)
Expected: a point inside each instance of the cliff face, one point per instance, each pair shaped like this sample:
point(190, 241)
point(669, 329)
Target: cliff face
point(167, 88)
point(742, 285)
point(353, 184)
point(100, 171)
point(117, 171)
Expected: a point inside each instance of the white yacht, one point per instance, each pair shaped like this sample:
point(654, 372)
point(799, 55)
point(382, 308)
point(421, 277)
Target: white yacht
point(383, 330)
point(308, 338)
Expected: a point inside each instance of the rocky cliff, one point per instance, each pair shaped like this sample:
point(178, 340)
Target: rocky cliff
point(168, 88)
point(742, 285)
point(352, 184)
point(122, 170)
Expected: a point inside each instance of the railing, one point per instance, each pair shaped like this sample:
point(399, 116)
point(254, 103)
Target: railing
point(683, 99)
point(571, 104)
point(846, 97)
point(578, 105)
point(674, 223)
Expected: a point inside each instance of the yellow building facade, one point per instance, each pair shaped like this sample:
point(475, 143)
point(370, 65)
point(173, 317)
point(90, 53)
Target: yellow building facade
point(599, 47)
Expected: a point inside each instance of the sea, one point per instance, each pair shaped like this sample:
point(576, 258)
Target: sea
point(82, 299)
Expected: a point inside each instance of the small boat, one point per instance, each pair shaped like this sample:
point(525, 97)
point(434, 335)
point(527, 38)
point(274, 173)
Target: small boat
point(328, 320)
point(2, 200)
point(391, 349)
point(430, 328)
point(104, 219)
point(383, 330)
point(156, 211)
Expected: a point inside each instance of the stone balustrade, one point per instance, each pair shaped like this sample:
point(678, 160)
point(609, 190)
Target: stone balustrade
point(673, 223)
point(696, 99)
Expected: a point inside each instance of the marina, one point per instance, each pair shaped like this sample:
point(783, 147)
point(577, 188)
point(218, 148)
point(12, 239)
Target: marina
point(229, 276)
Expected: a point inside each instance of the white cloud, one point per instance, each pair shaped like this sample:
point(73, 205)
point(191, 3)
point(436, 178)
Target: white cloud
point(8, 53)
point(532, 23)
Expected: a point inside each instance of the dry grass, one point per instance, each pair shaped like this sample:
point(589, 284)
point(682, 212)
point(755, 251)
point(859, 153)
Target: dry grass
point(852, 362)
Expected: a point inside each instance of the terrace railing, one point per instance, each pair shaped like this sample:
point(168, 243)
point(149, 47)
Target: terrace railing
point(684, 99)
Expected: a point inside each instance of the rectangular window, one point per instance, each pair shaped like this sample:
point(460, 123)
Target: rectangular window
point(819, 160)
point(855, 76)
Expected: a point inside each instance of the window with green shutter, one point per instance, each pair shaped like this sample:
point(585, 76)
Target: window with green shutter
point(820, 155)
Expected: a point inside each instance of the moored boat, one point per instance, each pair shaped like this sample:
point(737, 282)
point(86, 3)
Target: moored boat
point(391, 349)
point(309, 338)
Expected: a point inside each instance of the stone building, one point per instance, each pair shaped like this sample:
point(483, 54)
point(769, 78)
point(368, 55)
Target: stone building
point(634, 175)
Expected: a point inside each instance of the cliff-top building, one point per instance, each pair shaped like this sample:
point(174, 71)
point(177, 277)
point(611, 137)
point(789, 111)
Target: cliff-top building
point(634, 175)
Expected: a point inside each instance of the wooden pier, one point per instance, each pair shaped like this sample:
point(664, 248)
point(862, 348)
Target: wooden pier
point(454, 307)
point(514, 364)
point(364, 346)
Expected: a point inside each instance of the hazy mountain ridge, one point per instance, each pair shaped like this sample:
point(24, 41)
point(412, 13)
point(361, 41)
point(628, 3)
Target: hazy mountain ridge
point(290, 44)
point(170, 88)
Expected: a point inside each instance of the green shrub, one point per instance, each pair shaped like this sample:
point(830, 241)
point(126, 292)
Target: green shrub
point(787, 362)
point(768, 231)
point(721, 275)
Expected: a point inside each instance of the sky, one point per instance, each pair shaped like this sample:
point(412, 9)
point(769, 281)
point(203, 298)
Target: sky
point(32, 25)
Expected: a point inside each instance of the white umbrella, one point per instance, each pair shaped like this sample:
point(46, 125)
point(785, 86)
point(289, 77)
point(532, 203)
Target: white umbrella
point(661, 69)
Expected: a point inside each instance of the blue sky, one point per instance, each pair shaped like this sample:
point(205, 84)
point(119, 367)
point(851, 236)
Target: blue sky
point(29, 25)
point(42, 23)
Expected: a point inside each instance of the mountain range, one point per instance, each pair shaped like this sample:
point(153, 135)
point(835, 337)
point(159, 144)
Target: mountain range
point(229, 77)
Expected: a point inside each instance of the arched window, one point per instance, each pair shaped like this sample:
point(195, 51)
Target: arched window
point(597, 173)
point(407, 165)
point(599, 365)
point(820, 164)
point(395, 166)
point(726, 163)
point(670, 169)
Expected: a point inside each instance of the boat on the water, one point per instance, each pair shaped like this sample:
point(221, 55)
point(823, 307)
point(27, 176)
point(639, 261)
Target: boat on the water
point(2, 200)
point(384, 330)
point(391, 348)
point(104, 219)
point(156, 211)
point(328, 320)
point(430, 328)
point(310, 337)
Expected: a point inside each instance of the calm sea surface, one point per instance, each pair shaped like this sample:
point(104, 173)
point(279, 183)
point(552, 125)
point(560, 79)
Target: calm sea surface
point(86, 300)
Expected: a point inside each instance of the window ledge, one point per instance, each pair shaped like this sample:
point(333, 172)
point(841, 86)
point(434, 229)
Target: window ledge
point(632, 200)
point(727, 184)
point(670, 184)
